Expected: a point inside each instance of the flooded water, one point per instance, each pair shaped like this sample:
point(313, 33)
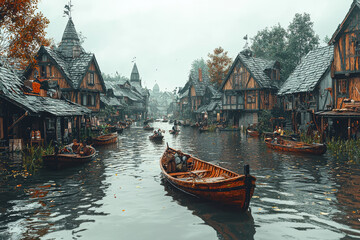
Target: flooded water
point(121, 194)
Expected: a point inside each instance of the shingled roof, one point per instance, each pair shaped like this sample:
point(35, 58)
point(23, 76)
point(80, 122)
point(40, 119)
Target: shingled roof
point(256, 66)
point(355, 5)
point(70, 39)
point(73, 67)
point(10, 83)
point(10, 90)
point(309, 72)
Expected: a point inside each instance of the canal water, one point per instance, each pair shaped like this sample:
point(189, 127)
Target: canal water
point(121, 194)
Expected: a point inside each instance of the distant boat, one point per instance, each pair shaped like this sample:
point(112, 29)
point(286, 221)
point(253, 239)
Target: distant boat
point(253, 133)
point(105, 139)
point(156, 137)
point(64, 160)
point(208, 181)
point(294, 146)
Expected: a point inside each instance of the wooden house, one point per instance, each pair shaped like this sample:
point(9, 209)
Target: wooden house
point(343, 120)
point(20, 114)
point(74, 71)
point(308, 88)
point(249, 87)
point(195, 96)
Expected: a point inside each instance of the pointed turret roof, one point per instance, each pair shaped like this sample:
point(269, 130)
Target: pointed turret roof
point(70, 41)
point(135, 76)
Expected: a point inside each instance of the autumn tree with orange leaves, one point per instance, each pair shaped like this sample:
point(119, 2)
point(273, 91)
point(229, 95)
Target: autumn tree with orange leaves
point(219, 65)
point(22, 30)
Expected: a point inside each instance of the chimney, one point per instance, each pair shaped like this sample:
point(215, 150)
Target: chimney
point(200, 75)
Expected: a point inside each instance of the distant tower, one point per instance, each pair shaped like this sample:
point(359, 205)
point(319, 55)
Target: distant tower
point(156, 88)
point(70, 46)
point(135, 76)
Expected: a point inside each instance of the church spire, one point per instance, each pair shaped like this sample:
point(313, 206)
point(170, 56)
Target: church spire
point(70, 43)
point(135, 76)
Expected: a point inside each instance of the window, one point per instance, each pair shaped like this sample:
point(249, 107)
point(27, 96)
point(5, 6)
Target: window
point(50, 72)
point(83, 99)
point(44, 58)
point(233, 99)
point(43, 71)
point(91, 100)
point(251, 99)
point(91, 78)
point(342, 87)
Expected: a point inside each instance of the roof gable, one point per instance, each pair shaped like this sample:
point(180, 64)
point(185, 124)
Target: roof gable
point(256, 67)
point(354, 6)
point(309, 72)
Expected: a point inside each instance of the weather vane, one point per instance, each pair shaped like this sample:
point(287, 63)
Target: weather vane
point(67, 10)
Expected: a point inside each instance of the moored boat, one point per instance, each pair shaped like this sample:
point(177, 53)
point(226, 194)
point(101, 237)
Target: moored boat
point(156, 137)
point(105, 139)
point(294, 146)
point(208, 181)
point(253, 133)
point(68, 159)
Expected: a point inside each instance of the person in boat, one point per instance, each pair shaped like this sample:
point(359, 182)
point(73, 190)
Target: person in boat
point(86, 150)
point(75, 146)
point(67, 150)
point(180, 161)
point(281, 131)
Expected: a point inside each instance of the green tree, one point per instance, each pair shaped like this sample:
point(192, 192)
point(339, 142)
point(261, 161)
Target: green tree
point(219, 65)
point(270, 43)
point(301, 39)
point(286, 46)
point(196, 65)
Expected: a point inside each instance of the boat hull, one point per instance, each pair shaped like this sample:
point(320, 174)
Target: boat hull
point(105, 139)
point(253, 133)
point(61, 161)
point(211, 182)
point(156, 138)
point(316, 149)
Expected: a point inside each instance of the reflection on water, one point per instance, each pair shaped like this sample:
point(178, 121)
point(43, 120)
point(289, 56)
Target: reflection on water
point(227, 222)
point(121, 195)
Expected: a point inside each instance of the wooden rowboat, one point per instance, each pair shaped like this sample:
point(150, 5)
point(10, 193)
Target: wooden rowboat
point(294, 146)
point(208, 181)
point(63, 160)
point(105, 139)
point(253, 133)
point(156, 137)
point(148, 128)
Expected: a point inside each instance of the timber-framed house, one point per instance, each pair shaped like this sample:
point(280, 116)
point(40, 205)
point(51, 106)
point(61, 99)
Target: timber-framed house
point(74, 71)
point(309, 88)
point(344, 119)
point(249, 87)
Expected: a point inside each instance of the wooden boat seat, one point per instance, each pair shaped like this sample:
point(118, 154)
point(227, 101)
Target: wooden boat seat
point(174, 174)
point(213, 179)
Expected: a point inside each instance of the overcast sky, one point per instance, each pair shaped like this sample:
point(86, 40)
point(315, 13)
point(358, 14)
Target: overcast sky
point(166, 36)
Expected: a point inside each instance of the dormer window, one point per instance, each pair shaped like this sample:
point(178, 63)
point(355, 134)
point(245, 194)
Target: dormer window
point(91, 78)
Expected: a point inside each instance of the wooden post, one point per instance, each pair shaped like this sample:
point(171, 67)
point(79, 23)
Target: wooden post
point(349, 129)
point(322, 130)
